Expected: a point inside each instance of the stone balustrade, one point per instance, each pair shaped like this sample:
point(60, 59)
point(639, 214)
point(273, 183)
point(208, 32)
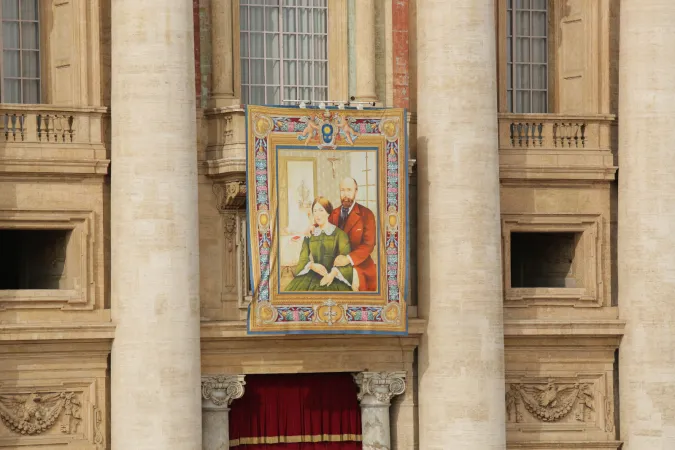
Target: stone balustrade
point(51, 124)
point(53, 139)
point(556, 146)
point(555, 131)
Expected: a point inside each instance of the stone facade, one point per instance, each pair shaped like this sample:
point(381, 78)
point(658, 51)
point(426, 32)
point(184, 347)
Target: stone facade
point(122, 143)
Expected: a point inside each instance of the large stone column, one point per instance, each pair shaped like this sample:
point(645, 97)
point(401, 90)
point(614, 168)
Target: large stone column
point(646, 236)
point(376, 389)
point(461, 359)
point(222, 53)
point(365, 51)
point(218, 393)
point(155, 395)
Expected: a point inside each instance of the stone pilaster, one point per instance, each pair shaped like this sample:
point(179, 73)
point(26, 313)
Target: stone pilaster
point(222, 54)
point(155, 369)
point(218, 393)
point(365, 51)
point(376, 389)
point(646, 214)
point(461, 359)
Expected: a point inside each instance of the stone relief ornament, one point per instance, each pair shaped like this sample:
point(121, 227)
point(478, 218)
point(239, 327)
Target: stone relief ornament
point(230, 195)
point(222, 390)
point(98, 418)
point(381, 385)
point(37, 412)
point(550, 402)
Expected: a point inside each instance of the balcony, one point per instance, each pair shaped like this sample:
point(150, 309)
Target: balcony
point(47, 139)
point(556, 146)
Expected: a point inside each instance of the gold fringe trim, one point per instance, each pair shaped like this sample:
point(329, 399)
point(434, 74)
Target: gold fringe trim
point(295, 439)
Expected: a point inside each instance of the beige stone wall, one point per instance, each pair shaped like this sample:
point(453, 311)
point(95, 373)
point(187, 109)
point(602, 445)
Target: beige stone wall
point(59, 177)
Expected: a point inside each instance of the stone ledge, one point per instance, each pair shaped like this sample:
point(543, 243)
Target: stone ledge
point(581, 445)
point(237, 329)
point(552, 328)
point(39, 167)
point(557, 173)
point(57, 332)
point(225, 166)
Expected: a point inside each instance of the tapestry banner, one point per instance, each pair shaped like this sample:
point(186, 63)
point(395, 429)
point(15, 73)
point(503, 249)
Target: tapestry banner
point(327, 217)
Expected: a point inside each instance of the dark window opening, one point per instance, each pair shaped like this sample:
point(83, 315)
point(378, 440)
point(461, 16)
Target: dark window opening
point(33, 259)
point(544, 260)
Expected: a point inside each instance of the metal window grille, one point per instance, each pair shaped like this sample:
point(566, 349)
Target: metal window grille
point(527, 56)
point(284, 50)
point(20, 43)
point(367, 193)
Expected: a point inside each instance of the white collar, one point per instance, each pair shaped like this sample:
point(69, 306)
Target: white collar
point(327, 229)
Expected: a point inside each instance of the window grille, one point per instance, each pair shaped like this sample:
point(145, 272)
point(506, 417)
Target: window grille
point(20, 42)
point(284, 50)
point(527, 56)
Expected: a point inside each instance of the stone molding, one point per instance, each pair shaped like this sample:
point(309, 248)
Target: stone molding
point(82, 263)
point(219, 391)
point(590, 260)
point(380, 386)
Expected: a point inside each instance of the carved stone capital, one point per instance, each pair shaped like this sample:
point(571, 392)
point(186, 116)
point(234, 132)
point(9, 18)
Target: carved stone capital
point(411, 165)
point(230, 195)
point(218, 391)
point(378, 388)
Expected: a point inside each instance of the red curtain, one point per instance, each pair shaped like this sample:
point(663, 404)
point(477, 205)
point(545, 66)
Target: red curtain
point(297, 412)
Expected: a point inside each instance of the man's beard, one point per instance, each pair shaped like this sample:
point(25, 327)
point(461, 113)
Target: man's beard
point(347, 202)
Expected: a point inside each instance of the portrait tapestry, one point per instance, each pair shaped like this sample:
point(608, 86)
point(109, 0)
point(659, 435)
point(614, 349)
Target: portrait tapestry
point(327, 218)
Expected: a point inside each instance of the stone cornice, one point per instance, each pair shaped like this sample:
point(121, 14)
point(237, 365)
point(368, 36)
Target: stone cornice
point(564, 445)
point(14, 333)
point(222, 167)
point(557, 328)
point(570, 173)
point(237, 329)
point(64, 168)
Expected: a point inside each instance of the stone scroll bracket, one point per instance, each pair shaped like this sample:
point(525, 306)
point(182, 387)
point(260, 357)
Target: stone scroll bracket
point(376, 389)
point(230, 194)
point(218, 393)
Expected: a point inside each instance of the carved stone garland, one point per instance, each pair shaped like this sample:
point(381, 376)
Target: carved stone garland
point(551, 402)
point(35, 413)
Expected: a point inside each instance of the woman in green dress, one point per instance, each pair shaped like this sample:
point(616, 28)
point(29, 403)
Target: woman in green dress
point(315, 270)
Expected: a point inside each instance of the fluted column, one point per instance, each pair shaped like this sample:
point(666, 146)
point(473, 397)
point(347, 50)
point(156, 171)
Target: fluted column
point(646, 221)
point(461, 360)
point(222, 75)
point(218, 393)
point(376, 389)
point(365, 51)
point(155, 392)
